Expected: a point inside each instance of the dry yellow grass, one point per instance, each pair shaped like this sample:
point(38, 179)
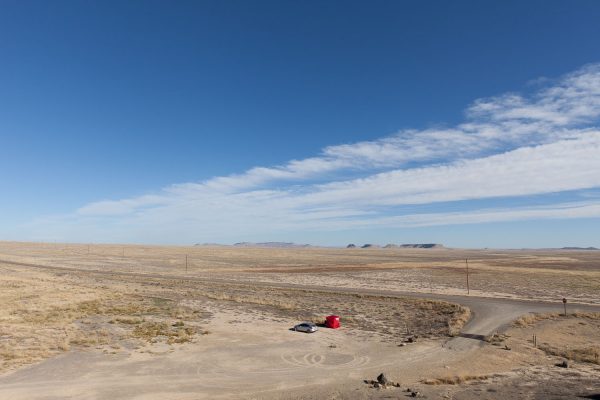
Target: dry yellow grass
point(458, 320)
point(532, 319)
point(154, 331)
point(44, 314)
point(589, 354)
point(573, 337)
point(454, 380)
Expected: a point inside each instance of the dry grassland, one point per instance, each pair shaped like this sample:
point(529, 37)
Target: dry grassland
point(573, 337)
point(528, 274)
point(43, 314)
point(143, 300)
point(455, 380)
point(47, 312)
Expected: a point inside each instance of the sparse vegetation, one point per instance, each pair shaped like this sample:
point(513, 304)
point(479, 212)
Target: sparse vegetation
point(455, 380)
point(589, 354)
point(390, 317)
point(531, 319)
point(496, 338)
point(153, 332)
point(575, 336)
point(43, 315)
point(458, 319)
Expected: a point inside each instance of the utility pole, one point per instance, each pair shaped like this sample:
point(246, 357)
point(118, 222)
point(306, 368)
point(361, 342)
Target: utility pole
point(186, 263)
point(467, 263)
point(431, 280)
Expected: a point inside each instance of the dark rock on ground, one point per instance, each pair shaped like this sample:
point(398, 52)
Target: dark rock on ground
point(382, 382)
point(382, 379)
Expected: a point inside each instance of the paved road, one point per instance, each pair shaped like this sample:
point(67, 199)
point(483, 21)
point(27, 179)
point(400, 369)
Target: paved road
point(489, 314)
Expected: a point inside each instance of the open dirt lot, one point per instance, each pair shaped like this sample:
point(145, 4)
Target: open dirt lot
point(100, 321)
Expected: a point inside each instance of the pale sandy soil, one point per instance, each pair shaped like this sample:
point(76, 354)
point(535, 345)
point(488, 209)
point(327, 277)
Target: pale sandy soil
point(138, 325)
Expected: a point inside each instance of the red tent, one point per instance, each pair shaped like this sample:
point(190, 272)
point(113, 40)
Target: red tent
point(332, 321)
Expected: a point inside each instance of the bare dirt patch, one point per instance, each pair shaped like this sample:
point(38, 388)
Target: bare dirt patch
point(392, 318)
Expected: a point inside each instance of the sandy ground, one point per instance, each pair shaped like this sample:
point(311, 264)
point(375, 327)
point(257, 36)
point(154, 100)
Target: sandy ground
point(138, 325)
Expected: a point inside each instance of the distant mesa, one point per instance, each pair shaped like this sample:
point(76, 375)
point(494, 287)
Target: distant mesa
point(399, 246)
point(421, 246)
point(580, 248)
point(370, 246)
point(278, 245)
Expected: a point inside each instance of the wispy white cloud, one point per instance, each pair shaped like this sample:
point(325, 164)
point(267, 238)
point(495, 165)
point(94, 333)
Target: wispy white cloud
point(559, 166)
point(122, 207)
point(555, 211)
point(575, 99)
point(509, 146)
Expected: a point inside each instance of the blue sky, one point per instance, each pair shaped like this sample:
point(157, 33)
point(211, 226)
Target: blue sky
point(473, 124)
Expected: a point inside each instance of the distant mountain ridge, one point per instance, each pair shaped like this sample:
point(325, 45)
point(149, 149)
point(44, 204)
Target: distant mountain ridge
point(399, 246)
point(272, 244)
point(421, 246)
point(579, 248)
point(292, 245)
point(260, 244)
point(370, 246)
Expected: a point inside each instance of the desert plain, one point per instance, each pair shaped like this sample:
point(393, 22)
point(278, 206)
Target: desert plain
point(89, 321)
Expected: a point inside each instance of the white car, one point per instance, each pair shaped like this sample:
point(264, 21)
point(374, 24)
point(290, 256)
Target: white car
point(306, 327)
